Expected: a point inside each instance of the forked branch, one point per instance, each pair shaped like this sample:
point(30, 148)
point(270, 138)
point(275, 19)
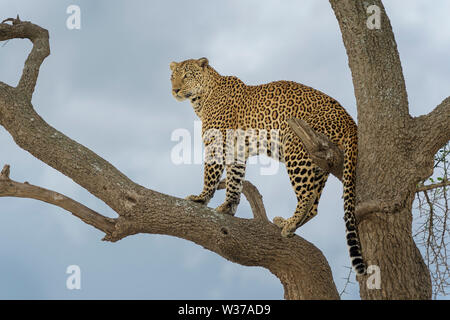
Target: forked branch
point(254, 198)
point(10, 188)
point(41, 49)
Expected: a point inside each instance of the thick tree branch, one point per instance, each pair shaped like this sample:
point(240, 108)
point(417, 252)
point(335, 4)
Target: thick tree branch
point(248, 242)
point(41, 49)
point(10, 188)
point(322, 150)
point(432, 132)
point(387, 173)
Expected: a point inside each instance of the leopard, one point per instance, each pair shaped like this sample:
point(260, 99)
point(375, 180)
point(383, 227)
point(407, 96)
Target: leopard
point(225, 104)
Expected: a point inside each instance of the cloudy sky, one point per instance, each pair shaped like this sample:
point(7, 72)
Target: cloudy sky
point(107, 86)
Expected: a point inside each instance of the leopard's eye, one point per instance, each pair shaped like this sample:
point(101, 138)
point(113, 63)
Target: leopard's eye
point(188, 75)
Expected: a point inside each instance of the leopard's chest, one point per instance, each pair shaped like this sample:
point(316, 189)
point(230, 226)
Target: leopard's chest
point(221, 112)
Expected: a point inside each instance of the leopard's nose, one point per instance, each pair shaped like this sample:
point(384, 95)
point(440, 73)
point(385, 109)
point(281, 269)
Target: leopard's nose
point(176, 90)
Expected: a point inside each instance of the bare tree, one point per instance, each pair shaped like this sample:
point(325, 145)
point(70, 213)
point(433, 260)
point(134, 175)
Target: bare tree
point(395, 154)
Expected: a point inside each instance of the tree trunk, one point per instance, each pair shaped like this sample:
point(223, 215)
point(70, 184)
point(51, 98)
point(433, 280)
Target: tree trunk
point(394, 154)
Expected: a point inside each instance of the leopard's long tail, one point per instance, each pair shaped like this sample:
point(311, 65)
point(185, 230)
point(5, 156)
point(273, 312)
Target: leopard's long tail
point(349, 179)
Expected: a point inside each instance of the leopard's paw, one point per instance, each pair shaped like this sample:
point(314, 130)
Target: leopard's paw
point(279, 222)
point(287, 232)
point(227, 208)
point(198, 199)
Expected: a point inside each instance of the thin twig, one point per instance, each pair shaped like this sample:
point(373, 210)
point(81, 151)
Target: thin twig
point(422, 188)
point(347, 281)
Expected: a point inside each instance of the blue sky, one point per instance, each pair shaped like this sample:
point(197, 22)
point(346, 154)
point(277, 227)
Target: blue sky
point(107, 86)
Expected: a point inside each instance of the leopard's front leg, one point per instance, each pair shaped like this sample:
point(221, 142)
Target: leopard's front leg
point(212, 174)
point(214, 166)
point(234, 182)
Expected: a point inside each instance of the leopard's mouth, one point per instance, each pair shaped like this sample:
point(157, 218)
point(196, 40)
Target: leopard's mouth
point(180, 96)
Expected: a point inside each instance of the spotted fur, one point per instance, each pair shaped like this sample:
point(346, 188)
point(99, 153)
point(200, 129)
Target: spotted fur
point(225, 102)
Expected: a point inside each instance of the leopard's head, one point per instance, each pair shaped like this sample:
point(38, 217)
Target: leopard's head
point(189, 78)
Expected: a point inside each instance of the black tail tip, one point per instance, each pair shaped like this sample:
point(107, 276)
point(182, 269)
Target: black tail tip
point(360, 269)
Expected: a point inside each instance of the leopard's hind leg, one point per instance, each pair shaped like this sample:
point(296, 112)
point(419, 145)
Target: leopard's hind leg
point(307, 179)
point(320, 180)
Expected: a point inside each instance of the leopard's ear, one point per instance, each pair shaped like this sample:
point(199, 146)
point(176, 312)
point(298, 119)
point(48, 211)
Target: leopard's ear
point(203, 62)
point(173, 65)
